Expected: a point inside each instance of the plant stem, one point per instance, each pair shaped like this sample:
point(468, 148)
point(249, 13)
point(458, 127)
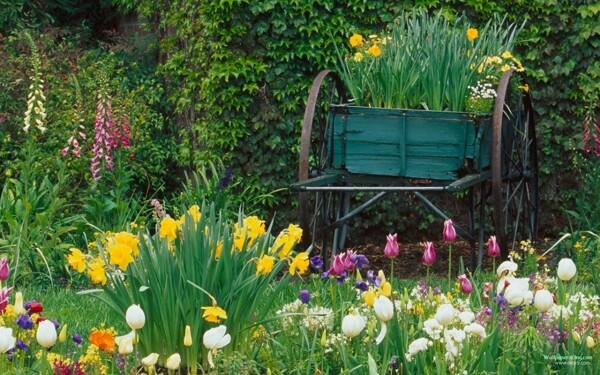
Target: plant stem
point(449, 263)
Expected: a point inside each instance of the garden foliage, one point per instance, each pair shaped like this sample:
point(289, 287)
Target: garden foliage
point(240, 71)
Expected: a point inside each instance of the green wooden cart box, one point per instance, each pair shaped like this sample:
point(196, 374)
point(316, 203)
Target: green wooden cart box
point(408, 143)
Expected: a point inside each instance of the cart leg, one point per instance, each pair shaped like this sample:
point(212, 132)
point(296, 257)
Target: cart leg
point(339, 234)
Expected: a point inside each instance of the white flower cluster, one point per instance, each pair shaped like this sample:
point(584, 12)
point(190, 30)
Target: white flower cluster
point(447, 329)
point(483, 90)
point(312, 318)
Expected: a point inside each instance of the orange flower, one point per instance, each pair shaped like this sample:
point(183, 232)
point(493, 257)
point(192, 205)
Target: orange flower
point(103, 339)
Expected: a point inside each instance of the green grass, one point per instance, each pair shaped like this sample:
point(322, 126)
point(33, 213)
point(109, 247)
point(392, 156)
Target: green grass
point(80, 312)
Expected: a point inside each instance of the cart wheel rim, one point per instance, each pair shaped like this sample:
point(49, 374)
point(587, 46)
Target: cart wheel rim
point(514, 170)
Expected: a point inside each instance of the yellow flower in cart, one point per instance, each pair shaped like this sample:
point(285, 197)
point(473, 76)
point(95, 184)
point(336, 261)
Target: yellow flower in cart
point(213, 314)
point(96, 271)
point(472, 34)
point(168, 229)
point(356, 40)
point(507, 55)
point(374, 50)
point(76, 260)
point(264, 265)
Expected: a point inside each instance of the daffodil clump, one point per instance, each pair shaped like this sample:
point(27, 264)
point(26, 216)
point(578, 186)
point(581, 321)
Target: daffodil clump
point(196, 273)
point(428, 62)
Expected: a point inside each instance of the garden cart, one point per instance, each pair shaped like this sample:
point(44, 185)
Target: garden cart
point(347, 149)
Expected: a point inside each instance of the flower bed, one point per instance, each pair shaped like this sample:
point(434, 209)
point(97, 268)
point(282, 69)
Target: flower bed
point(347, 318)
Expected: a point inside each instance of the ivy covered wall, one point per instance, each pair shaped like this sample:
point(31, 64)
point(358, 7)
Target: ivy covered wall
point(239, 73)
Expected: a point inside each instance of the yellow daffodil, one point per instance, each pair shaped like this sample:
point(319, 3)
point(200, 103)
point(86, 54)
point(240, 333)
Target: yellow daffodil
point(120, 255)
point(507, 55)
point(472, 34)
point(168, 229)
point(76, 260)
point(218, 250)
point(213, 314)
point(264, 265)
point(369, 297)
point(299, 265)
point(356, 40)
point(374, 50)
point(96, 271)
point(194, 212)
point(505, 68)
point(127, 239)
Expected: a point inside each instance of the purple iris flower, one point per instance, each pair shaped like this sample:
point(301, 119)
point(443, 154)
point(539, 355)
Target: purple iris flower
point(316, 262)
point(19, 344)
point(360, 260)
point(362, 285)
point(24, 321)
point(77, 339)
point(304, 296)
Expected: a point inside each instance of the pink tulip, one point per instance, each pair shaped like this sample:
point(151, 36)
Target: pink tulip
point(465, 284)
point(429, 254)
point(4, 269)
point(4, 298)
point(338, 266)
point(449, 232)
point(493, 248)
point(391, 247)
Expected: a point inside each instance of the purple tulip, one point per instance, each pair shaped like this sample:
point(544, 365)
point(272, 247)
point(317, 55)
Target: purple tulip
point(493, 248)
point(429, 254)
point(4, 269)
point(449, 232)
point(304, 296)
point(391, 247)
point(465, 284)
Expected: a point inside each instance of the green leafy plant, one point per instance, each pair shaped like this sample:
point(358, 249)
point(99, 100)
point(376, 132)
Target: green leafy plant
point(424, 61)
point(200, 263)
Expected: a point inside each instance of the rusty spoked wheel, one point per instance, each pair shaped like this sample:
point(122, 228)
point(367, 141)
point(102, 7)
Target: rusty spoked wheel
point(318, 209)
point(514, 167)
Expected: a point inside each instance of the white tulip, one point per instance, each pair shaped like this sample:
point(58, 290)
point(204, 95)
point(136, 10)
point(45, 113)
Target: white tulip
point(384, 308)
point(173, 361)
point(543, 300)
point(590, 342)
point(352, 325)
point(508, 267)
point(125, 343)
point(566, 269)
point(515, 295)
point(215, 338)
point(46, 334)
point(150, 360)
point(7, 340)
point(135, 317)
point(445, 314)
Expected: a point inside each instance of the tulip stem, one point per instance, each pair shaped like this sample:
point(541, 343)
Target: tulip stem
point(449, 262)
